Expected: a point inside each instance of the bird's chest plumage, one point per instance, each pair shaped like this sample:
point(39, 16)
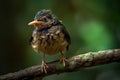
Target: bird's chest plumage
point(49, 41)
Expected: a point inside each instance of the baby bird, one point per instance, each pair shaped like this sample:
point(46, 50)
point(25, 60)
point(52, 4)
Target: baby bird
point(49, 36)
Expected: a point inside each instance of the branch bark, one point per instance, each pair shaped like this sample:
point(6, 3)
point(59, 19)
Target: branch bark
point(80, 61)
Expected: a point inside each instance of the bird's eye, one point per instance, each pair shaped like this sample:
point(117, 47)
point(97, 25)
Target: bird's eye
point(44, 19)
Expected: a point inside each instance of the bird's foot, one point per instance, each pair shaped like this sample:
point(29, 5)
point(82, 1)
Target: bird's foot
point(63, 60)
point(43, 67)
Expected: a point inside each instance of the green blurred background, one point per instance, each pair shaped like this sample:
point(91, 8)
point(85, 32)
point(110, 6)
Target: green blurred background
point(93, 25)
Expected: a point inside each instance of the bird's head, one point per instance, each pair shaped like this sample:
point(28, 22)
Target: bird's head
point(44, 19)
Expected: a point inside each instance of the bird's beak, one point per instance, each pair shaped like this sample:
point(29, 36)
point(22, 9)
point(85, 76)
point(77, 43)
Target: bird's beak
point(34, 23)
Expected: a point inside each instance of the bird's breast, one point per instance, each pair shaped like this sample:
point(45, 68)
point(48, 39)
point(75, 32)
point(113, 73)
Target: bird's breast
point(50, 41)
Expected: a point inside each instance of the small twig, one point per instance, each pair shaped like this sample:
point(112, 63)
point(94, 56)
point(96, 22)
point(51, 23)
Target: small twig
point(80, 61)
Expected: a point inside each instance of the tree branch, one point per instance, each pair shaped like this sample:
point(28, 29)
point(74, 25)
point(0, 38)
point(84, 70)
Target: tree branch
point(80, 61)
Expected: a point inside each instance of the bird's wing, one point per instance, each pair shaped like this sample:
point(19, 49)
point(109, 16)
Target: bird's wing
point(30, 39)
point(67, 36)
point(57, 28)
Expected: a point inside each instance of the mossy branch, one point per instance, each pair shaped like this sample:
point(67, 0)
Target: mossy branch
point(80, 61)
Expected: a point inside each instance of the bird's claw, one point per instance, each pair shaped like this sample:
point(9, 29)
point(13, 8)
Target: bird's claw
point(43, 67)
point(63, 60)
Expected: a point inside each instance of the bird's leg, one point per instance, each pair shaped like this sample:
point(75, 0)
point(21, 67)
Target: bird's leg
point(44, 65)
point(63, 59)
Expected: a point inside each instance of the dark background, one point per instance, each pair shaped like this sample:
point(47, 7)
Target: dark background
point(93, 25)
